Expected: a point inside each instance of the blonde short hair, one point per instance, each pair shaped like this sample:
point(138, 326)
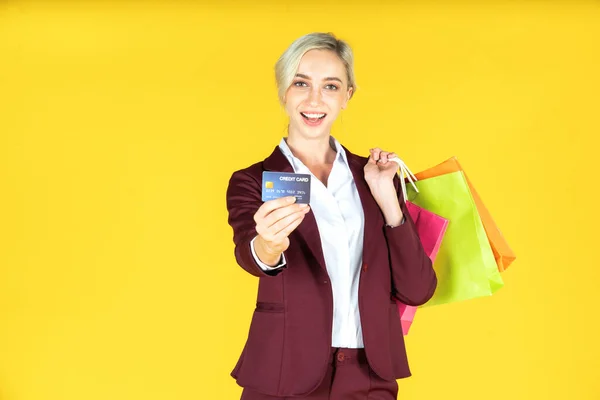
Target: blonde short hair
point(287, 65)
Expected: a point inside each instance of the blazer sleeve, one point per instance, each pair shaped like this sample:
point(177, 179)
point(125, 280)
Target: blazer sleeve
point(413, 277)
point(243, 200)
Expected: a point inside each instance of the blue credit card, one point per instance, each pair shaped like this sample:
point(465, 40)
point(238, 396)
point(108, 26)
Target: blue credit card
point(282, 184)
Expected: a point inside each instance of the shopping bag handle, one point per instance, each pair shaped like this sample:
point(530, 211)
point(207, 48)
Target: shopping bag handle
point(404, 172)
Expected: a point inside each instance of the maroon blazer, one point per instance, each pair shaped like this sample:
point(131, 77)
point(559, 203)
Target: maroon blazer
point(289, 342)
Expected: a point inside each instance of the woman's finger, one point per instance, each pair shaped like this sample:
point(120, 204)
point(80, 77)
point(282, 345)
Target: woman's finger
point(271, 205)
point(376, 153)
point(280, 225)
point(285, 232)
point(371, 159)
point(281, 213)
point(383, 157)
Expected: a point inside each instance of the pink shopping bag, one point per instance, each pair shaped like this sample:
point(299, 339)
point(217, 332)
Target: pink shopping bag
point(430, 228)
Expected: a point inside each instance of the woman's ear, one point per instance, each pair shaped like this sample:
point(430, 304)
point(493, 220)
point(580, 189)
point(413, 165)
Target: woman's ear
point(347, 98)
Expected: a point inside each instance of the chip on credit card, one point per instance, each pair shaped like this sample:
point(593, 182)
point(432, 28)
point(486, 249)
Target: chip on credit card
point(282, 184)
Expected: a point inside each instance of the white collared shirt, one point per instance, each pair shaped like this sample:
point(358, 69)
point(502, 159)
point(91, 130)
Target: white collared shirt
point(339, 215)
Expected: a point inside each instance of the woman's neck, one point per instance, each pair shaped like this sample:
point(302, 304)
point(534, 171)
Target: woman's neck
point(312, 152)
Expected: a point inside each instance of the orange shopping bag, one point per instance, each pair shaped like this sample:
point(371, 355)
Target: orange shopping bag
point(502, 251)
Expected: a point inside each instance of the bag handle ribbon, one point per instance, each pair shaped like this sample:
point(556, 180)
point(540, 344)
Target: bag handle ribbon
point(404, 172)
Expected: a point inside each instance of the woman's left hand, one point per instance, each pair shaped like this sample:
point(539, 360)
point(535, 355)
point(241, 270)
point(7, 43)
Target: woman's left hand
point(379, 174)
point(379, 169)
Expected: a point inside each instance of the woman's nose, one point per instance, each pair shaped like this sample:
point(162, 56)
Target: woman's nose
point(315, 97)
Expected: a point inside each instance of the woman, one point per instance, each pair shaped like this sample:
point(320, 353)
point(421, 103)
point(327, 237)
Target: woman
point(326, 324)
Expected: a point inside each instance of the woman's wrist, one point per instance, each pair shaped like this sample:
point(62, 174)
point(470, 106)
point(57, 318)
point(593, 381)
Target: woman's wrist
point(386, 197)
point(265, 253)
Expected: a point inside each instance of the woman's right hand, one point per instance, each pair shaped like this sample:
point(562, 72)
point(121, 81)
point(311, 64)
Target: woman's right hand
point(275, 220)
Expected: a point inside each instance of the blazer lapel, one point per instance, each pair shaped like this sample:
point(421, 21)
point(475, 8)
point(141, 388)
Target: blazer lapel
point(308, 228)
point(372, 213)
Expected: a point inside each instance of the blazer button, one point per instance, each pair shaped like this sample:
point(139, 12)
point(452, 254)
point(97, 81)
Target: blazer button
point(341, 356)
point(324, 281)
point(364, 267)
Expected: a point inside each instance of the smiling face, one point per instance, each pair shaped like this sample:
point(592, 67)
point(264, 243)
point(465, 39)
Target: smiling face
point(317, 94)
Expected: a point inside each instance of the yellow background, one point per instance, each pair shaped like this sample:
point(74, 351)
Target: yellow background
point(121, 123)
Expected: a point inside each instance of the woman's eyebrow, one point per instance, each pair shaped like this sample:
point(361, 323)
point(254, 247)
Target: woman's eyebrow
point(329, 78)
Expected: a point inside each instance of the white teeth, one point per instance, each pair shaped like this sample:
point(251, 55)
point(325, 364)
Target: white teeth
point(313, 115)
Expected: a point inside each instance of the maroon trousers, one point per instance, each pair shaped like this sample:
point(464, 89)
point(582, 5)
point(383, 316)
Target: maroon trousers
point(348, 377)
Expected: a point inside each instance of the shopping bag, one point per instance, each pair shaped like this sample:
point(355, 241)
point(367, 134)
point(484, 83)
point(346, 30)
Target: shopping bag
point(502, 251)
point(465, 265)
point(430, 229)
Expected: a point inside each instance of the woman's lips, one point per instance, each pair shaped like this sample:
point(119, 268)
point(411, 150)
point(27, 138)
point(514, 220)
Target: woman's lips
point(313, 119)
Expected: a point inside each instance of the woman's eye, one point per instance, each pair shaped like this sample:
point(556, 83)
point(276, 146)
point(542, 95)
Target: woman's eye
point(299, 83)
point(331, 87)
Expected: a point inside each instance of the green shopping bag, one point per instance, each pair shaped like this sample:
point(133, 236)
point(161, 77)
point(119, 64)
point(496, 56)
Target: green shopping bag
point(465, 265)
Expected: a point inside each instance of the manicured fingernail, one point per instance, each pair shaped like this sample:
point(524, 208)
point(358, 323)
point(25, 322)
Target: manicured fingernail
point(291, 199)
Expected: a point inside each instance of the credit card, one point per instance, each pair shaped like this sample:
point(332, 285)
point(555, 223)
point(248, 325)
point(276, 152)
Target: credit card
point(282, 184)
